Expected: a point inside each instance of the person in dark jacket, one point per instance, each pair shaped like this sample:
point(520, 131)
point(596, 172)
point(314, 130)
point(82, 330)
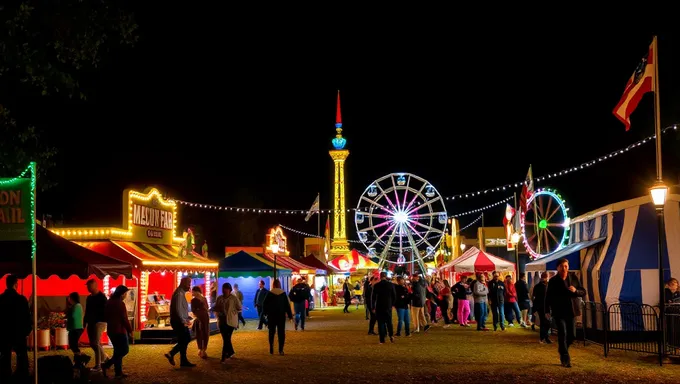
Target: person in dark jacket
point(368, 291)
point(523, 300)
point(118, 329)
point(497, 301)
point(367, 296)
point(299, 296)
point(538, 299)
point(418, 296)
point(347, 294)
point(401, 304)
point(15, 326)
point(95, 321)
point(460, 292)
point(561, 304)
point(276, 306)
point(260, 296)
point(384, 295)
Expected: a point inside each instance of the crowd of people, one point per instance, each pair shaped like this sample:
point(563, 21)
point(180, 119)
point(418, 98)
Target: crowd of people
point(420, 302)
point(553, 302)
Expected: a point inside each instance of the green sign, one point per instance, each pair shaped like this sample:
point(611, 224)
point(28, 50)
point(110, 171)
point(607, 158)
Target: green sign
point(15, 209)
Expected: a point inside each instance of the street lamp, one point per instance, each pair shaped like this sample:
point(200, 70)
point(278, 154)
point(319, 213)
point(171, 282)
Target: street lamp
point(462, 247)
point(275, 250)
point(514, 238)
point(659, 192)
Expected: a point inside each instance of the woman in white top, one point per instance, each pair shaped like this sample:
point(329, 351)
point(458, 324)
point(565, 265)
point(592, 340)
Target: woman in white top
point(227, 307)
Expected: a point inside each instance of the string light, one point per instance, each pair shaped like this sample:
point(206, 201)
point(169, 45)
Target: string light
point(33, 185)
point(505, 187)
point(484, 208)
point(471, 224)
point(564, 171)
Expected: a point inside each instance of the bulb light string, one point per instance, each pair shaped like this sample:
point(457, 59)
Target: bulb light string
point(307, 234)
point(563, 172)
point(471, 224)
point(505, 187)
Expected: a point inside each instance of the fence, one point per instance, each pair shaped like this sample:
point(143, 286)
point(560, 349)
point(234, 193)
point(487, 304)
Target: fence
point(630, 327)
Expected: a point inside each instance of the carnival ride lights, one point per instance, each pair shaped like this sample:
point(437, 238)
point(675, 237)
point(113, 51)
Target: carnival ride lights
point(405, 214)
point(545, 223)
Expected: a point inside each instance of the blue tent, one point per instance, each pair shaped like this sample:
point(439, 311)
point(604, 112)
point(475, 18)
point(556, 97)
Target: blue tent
point(571, 252)
point(247, 270)
point(624, 267)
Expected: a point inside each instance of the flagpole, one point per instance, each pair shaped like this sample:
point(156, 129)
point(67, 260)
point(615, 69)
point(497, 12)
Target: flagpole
point(660, 210)
point(318, 216)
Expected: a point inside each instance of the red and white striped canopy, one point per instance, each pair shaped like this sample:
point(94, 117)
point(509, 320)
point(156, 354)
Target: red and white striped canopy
point(474, 260)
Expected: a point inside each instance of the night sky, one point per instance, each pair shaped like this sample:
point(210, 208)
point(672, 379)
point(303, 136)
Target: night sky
point(244, 117)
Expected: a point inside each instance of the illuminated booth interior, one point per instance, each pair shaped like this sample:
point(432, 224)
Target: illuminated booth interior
point(158, 257)
point(246, 267)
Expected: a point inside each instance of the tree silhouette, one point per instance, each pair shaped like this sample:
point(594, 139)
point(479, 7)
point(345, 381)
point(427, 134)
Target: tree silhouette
point(46, 48)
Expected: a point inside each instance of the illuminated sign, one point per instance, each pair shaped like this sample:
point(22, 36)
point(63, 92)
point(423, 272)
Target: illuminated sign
point(495, 242)
point(15, 209)
point(276, 241)
point(149, 217)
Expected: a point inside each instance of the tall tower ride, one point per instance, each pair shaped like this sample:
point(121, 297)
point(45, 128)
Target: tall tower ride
point(339, 244)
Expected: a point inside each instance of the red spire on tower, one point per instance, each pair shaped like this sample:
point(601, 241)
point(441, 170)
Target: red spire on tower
point(338, 114)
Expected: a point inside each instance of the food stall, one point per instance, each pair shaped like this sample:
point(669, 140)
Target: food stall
point(148, 240)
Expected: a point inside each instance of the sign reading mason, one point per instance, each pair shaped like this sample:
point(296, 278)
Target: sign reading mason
point(15, 209)
point(150, 218)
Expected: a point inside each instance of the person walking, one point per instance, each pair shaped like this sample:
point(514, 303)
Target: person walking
point(561, 304)
point(181, 323)
point(480, 292)
point(276, 307)
point(497, 301)
point(199, 307)
point(460, 292)
point(346, 295)
point(94, 321)
point(368, 292)
point(239, 296)
point(299, 296)
point(384, 295)
point(523, 299)
point(418, 297)
point(74, 326)
point(402, 306)
point(260, 296)
point(538, 297)
point(15, 326)
point(118, 329)
point(227, 307)
point(511, 302)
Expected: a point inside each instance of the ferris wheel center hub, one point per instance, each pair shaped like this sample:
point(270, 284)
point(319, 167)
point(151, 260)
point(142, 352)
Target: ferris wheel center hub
point(400, 217)
point(543, 224)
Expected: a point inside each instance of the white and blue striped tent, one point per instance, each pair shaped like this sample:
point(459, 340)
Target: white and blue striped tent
point(615, 250)
point(624, 267)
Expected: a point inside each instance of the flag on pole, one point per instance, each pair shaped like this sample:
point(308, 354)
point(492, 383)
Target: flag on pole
point(641, 82)
point(509, 214)
point(314, 209)
point(527, 190)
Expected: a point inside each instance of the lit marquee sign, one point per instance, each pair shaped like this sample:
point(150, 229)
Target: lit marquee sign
point(276, 242)
point(149, 217)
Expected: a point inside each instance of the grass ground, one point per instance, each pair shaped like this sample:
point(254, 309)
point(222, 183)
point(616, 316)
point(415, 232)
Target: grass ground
point(335, 348)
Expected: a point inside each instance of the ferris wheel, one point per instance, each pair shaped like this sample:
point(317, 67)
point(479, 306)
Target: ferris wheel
point(545, 223)
point(400, 219)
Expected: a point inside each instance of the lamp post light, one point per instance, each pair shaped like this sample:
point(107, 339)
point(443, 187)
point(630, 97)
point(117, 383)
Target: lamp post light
point(514, 238)
point(275, 250)
point(462, 247)
point(659, 192)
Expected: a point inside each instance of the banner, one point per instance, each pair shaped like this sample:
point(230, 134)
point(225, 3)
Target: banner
point(15, 209)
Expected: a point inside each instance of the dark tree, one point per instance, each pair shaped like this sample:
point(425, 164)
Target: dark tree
point(46, 47)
